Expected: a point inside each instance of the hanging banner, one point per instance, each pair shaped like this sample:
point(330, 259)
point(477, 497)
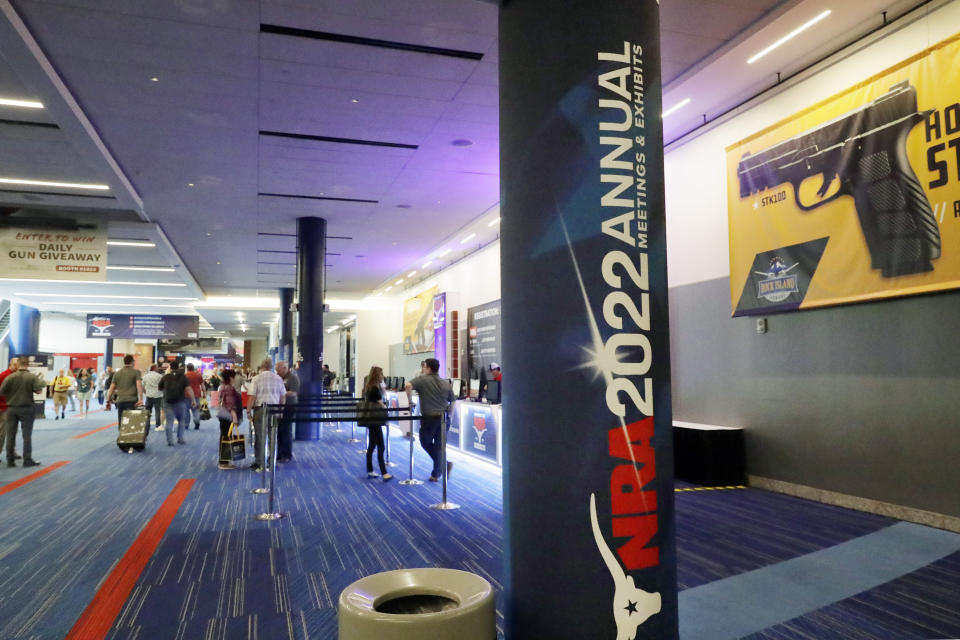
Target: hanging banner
point(46, 254)
point(853, 199)
point(142, 326)
point(587, 433)
point(418, 322)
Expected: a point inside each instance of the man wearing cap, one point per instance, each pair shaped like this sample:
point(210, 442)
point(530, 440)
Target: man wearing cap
point(495, 372)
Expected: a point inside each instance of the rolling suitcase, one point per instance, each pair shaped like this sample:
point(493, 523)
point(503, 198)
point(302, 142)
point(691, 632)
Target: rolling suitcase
point(132, 434)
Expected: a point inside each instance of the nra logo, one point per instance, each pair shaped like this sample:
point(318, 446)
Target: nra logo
point(101, 326)
point(480, 430)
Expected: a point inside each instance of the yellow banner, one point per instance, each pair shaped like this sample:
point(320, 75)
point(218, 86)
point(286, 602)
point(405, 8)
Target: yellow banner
point(418, 322)
point(855, 198)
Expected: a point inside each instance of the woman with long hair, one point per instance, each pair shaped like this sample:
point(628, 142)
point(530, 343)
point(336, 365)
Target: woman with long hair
point(372, 393)
point(231, 410)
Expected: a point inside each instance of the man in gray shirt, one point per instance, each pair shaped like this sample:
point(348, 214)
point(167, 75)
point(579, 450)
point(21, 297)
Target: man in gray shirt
point(291, 383)
point(436, 398)
point(154, 397)
point(18, 388)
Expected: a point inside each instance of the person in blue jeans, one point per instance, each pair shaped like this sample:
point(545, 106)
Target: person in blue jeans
point(178, 399)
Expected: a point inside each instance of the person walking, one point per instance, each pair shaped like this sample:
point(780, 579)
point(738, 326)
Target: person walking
point(178, 399)
point(84, 391)
point(291, 382)
point(61, 385)
point(18, 388)
point(265, 389)
point(372, 393)
point(199, 392)
point(328, 377)
point(153, 395)
point(128, 385)
point(3, 402)
point(229, 412)
point(436, 398)
point(72, 391)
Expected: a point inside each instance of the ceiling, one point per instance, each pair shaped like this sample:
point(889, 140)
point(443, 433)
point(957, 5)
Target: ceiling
point(217, 123)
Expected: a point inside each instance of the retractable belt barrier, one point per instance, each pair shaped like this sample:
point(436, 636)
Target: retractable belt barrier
point(316, 414)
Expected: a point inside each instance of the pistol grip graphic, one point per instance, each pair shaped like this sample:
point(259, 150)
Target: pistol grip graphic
point(898, 224)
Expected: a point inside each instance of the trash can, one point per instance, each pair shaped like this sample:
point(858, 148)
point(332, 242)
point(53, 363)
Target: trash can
point(418, 604)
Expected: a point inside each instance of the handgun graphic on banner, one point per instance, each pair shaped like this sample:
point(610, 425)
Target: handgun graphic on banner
point(865, 150)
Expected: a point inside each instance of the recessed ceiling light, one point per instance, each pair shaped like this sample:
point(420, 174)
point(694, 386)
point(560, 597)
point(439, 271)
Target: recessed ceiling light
point(790, 35)
point(73, 282)
point(154, 79)
point(388, 288)
point(411, 274)
point(378, 295)
point(115, 304)
point(218, 262)
point(359, 256)
point(190, 184)
point(131, 243)
point(65, 185)
point(398, 281)
point(444, 252)
point(426, 264)
point(25, 104)
point(461, 142)
point(79, 295)
point(468, 238)
point(403, 206)
point(165, 269)
point(494, 221)
point(676, 107)
point(354, 100)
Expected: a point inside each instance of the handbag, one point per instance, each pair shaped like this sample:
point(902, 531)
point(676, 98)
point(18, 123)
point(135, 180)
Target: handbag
point(204, 409)
point(371, 413)
point(233, 447)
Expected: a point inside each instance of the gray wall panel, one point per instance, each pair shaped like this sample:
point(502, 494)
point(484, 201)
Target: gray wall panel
point(860, 399)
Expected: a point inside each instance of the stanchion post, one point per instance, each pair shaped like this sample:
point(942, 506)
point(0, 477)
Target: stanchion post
point(411, 480)
point(272, 514)
point(257, 439)
point(353, 433)
point(444, 505)
point(386, 444)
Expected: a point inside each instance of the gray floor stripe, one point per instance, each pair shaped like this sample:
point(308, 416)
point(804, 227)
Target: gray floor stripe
point(744, 604)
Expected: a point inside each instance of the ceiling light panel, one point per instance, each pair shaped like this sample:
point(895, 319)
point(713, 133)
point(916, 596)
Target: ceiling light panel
point(789, 36)
point(45, 183)
point(21, 104)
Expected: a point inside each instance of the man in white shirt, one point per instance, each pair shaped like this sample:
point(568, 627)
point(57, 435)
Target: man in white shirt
point(153, 395)
point(266, 388)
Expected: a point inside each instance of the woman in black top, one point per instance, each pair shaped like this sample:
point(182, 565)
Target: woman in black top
point(372, 393)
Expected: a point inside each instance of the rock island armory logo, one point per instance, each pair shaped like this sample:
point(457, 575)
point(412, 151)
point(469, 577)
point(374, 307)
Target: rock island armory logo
point(778, 282)
point(101, 327)
point(480, 430)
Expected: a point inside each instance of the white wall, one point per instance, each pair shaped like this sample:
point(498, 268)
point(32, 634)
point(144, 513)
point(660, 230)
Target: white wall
point(475, 279)
point(695, 172)
point(376, 330)
point(331, 350)
point(66, 334)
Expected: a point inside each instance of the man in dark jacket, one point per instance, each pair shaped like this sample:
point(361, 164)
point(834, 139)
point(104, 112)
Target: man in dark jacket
point(18, 389)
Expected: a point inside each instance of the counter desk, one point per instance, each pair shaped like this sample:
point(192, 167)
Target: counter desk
point(475, 429)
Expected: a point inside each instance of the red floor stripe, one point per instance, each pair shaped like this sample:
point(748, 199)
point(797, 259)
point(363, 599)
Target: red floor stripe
point(98, 618)
point(7, 488)
point(90, 433)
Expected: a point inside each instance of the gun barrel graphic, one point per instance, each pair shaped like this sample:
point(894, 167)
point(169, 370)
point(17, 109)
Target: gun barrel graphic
point(865, 150)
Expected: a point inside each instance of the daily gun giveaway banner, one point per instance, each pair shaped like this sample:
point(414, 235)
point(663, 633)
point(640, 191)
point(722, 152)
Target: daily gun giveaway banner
point(855, 198)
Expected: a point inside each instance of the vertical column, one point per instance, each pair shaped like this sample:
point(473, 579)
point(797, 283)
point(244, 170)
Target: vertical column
point(286, 326)
point(24, 329)
point(108, 353)
point(311, 258)
point(582, 190)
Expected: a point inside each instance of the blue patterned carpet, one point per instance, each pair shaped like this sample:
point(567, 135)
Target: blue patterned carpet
point(220, 574)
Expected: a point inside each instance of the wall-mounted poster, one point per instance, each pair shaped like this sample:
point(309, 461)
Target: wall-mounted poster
point(855, 198)
point(483, 338)
point(418, 322)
